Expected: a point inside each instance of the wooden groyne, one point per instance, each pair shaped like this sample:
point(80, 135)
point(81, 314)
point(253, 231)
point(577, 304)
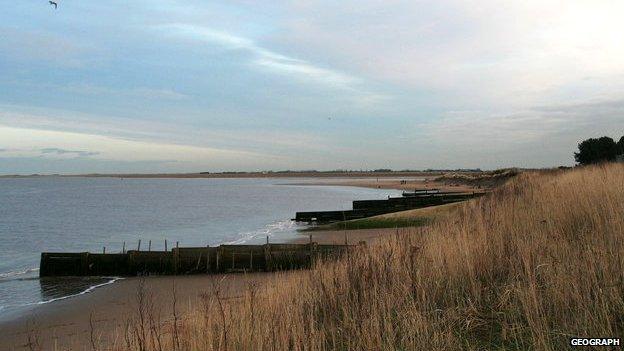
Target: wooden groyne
point(369, 208)
point(190, 260)
point(411, 202)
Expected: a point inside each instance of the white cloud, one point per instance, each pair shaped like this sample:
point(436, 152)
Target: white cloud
point(21, 142)
point(262, 57)
point(278, 141)
point(480, 52)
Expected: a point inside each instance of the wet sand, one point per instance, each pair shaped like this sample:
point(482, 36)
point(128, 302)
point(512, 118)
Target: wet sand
point(65, 324)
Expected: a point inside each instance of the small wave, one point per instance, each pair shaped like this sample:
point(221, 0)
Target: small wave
point(12, 274)
point(269, 230)
point(86, 291)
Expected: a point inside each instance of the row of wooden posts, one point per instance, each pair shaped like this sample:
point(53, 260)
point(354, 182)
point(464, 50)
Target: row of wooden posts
point(149, 245)
point(190, 260)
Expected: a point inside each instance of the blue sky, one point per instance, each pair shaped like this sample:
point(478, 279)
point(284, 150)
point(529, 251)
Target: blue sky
point(183, 86)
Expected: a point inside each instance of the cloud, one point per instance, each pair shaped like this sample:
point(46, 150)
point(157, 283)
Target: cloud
point(77, 153)
point(262, 57)
point(36, 45)
point(407, 84)
point(28, 143)
point(100, 90)
point(539, 136)
point(140, 92)
point(48, 152)
point(271, 140)
point(474, 53)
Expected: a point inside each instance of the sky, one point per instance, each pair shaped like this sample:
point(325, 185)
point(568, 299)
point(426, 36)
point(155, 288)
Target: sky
point(189, 86)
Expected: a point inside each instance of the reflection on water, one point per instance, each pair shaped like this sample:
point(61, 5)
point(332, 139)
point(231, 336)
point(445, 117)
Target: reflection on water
point(55, 288)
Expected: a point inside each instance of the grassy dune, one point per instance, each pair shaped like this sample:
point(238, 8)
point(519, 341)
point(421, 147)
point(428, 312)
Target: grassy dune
point(536, 262)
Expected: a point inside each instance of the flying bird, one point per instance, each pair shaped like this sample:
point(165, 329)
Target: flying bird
point(53, 3)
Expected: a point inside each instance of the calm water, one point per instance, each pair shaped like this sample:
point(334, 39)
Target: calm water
point(85, 214)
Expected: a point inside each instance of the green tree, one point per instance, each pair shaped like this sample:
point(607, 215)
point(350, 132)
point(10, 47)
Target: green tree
point(620, 145)
point(595, 150)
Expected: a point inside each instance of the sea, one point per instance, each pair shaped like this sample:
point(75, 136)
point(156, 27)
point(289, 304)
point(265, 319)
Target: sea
point(78, 214)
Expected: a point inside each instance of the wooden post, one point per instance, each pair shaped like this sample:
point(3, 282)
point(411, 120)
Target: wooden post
point(104, 250)
point(139, 245)
point(311, 252)
point(267, 239)
point(251, 260)
point(165, 244)
point(267, 258)
point(207, 258)
point(149, 246)
point(84, 260)
point(346, 239)
point(218, 255)
point(198, 261)
point(123, 249)
point(176, 260)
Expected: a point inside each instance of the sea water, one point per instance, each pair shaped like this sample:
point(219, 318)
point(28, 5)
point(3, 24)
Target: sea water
point(78, 214)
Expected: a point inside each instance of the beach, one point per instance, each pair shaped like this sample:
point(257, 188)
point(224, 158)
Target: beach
point(100, 316)
point(66, 324)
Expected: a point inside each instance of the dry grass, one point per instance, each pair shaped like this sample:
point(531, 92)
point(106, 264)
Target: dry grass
point(536, 262)
point(482, 180)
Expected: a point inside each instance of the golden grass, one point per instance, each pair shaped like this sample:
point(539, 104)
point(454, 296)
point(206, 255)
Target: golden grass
point(527, 267)
point(428, 213)
point(481, 179)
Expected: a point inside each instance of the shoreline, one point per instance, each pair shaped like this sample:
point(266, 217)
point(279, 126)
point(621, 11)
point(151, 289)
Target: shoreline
point(64, 322)
point(268, 174)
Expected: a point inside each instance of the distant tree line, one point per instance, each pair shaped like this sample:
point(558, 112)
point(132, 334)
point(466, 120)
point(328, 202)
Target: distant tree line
point(596, 150)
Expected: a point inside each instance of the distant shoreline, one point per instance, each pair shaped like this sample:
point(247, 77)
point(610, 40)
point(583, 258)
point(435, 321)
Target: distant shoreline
point(289, 174)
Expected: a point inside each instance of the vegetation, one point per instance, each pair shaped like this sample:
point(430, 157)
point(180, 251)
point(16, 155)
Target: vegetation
point(596, 150)
point(481, 179)
point(536, 262)
point(410, 218)
point(372, 223)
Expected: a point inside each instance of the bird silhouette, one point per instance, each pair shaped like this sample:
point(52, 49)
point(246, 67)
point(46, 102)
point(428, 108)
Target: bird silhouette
point(53, 3)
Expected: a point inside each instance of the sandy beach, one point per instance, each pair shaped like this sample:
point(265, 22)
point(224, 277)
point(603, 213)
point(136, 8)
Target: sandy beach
point(66, 324)
point(71, 324)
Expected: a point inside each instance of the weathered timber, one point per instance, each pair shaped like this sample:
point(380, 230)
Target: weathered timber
point(328, 216)
point(421, 191)
point(411, 202)
point(427, 192)
point(369, 208)
point(190, 260)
